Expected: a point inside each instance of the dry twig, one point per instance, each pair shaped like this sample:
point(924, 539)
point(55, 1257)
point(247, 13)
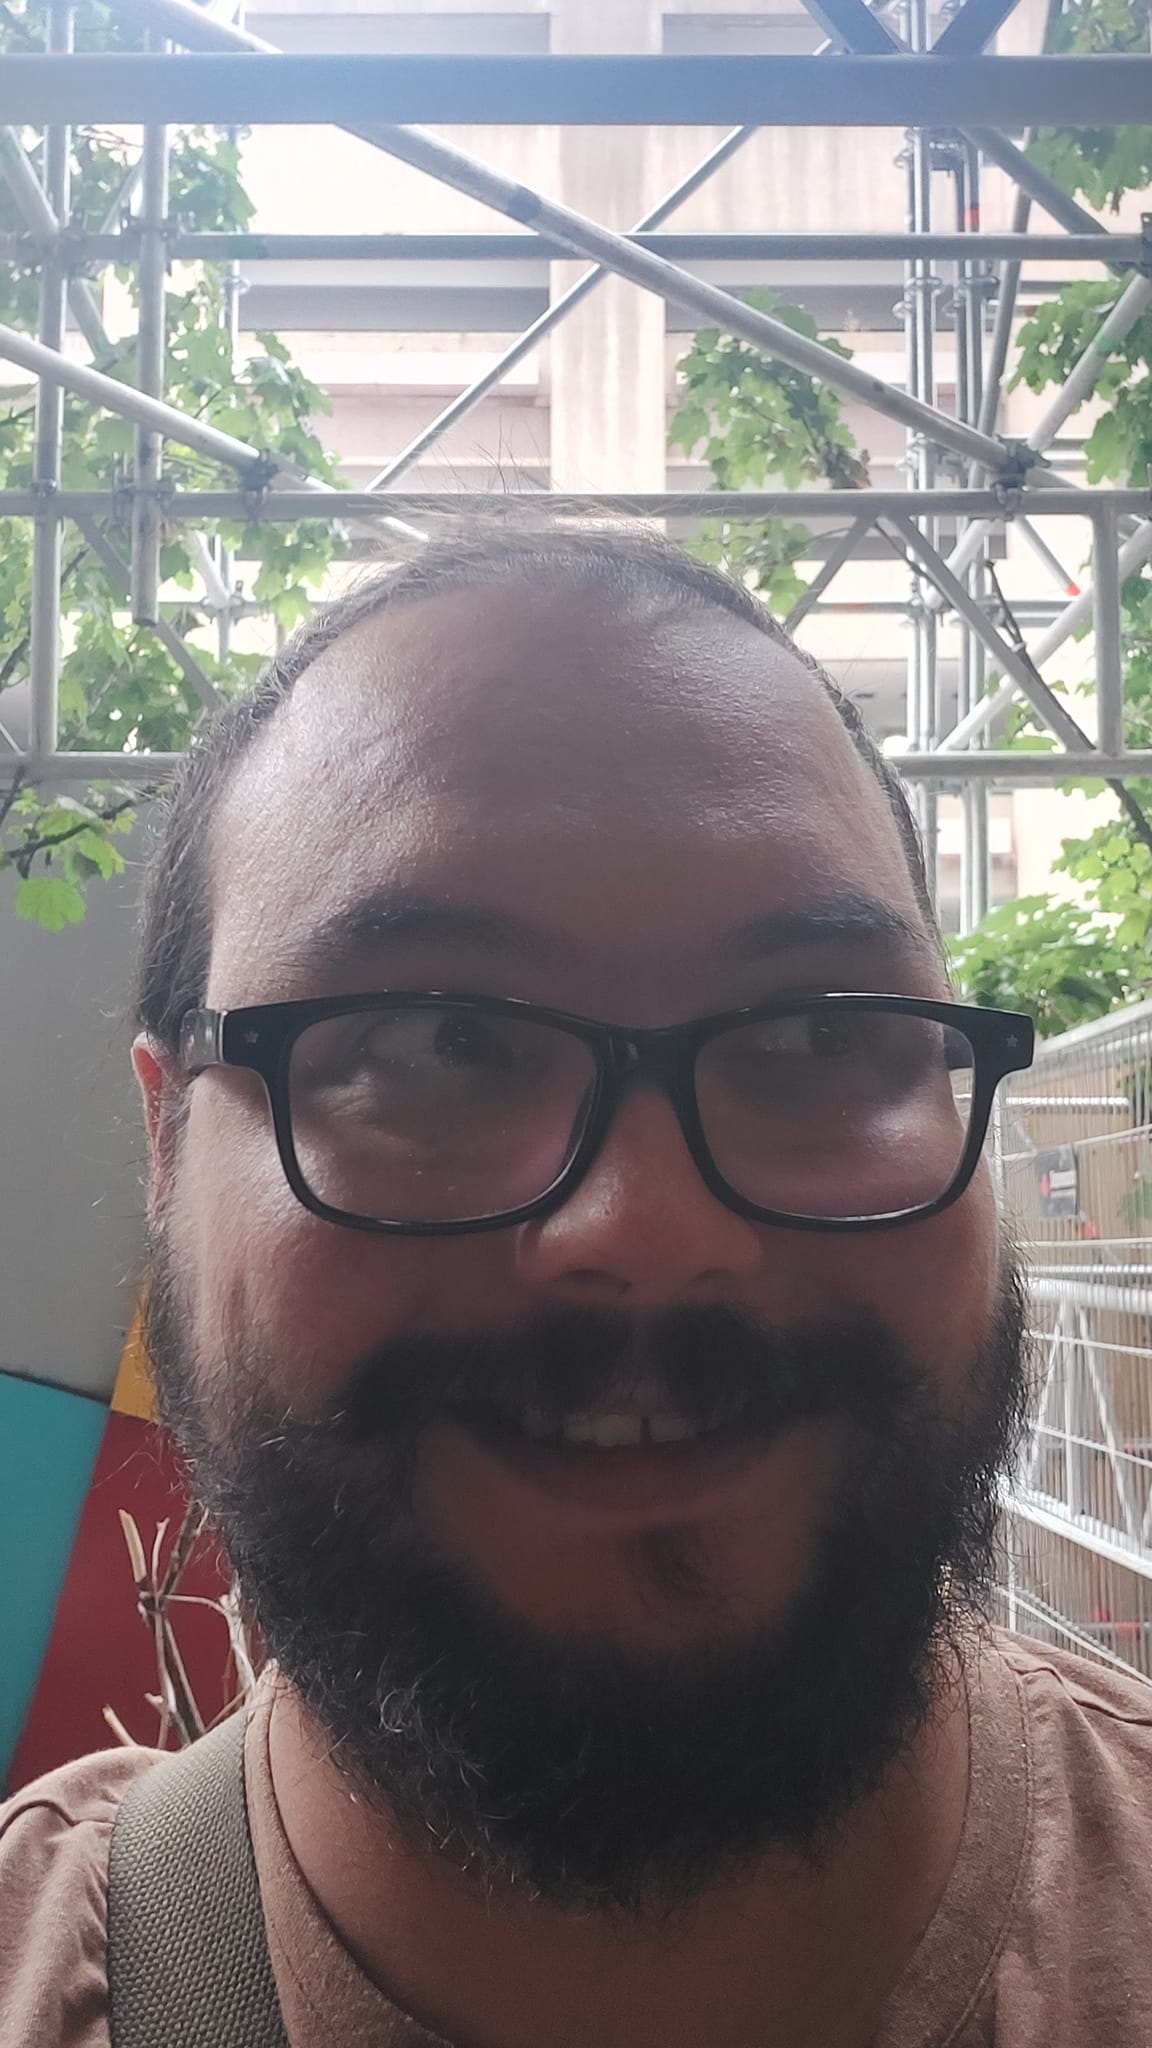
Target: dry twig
point(156, 1596)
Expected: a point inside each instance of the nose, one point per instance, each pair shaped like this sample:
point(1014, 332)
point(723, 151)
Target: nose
point(641, 1228)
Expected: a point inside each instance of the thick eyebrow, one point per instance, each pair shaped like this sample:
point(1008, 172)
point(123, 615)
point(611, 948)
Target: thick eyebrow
point(852, 919)
point(398, 918)
point(401, 918)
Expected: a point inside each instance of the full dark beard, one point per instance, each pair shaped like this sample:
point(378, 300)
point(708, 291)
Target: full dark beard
point(582, 1771)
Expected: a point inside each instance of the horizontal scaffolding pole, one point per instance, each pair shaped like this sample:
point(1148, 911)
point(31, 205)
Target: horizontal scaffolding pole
point(261, 508)
point(79, 248)
point(1022, 769)
point(789, 92)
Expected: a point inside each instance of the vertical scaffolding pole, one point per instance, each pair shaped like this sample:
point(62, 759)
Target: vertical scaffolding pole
point(975, 876)
point(146, 515)
point(1009, 285)
point(233, 290)
point(971, 286)
point(233, 287)
point(976, 282)
point(921, 286)
point(1106, 627)
point(44, 632)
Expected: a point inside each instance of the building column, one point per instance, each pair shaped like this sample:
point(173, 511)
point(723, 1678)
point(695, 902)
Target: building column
point(606, 361)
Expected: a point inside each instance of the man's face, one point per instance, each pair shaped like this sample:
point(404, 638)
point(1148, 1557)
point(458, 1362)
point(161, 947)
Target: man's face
point(533, 795)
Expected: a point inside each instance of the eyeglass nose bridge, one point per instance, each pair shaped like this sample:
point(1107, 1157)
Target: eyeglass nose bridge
point(662, 1059)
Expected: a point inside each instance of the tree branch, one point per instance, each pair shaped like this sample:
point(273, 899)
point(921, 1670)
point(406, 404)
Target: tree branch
point(9, 796)
point(24, 855)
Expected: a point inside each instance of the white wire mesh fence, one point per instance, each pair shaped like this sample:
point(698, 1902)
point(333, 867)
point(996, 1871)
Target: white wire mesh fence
point(1075, 1155)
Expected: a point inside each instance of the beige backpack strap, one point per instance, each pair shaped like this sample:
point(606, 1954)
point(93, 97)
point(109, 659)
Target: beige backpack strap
point(188, 1963)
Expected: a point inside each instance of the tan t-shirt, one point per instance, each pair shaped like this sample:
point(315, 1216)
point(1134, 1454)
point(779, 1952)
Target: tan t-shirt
point(1043, 1938)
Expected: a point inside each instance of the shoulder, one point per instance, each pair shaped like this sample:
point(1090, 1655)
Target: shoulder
point(1084, 1910)
point(1092, 1710)
point(54, 1842)
point(1089, 1736)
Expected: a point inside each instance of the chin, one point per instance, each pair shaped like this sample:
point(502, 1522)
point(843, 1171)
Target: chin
point(579, 1548)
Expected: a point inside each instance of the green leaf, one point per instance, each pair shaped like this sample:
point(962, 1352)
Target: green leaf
point(688, 427)
point(96, 853)
point(1059, 962)
point(49, 901)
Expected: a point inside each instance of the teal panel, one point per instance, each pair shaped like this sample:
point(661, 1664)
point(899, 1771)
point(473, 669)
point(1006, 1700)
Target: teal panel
point(48, 1444)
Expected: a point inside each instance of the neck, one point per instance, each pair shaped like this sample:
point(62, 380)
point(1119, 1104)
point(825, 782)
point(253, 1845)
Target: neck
point(803, 1955)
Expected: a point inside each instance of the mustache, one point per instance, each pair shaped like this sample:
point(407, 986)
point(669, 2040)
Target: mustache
point(711, 1363)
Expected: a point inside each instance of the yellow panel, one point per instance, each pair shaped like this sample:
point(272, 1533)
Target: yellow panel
point(133, 1393)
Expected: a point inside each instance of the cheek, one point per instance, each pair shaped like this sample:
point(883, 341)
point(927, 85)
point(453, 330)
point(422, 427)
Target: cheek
point(271, 1282)
point(935, 1283)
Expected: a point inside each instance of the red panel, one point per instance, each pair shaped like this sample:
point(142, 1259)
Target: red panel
point(100, 1651)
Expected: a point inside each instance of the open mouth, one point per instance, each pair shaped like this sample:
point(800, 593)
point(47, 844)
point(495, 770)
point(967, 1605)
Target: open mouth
point(639, 1421)
point(634, 1459)
point(648, 1442)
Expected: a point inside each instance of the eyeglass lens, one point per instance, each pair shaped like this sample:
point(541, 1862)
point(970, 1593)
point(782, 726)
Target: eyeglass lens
point(436, 1115)
point(441, 1114)
point(837, 1113)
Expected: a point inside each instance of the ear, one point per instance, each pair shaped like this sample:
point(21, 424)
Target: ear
point(154, 1075)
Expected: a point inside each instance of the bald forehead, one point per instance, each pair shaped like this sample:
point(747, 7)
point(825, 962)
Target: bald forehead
point(553, 689)
point(537, 730)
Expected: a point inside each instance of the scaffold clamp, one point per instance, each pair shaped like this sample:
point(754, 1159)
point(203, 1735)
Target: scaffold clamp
point(1008, 487)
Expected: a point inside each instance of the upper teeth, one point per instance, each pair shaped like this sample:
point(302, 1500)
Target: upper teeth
point(612, 1432)
point(641, 1422)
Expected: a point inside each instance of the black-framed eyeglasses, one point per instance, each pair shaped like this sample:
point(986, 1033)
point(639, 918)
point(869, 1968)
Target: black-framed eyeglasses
point(431, 1114)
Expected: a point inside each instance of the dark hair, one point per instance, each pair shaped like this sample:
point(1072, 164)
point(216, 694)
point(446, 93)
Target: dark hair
point(630, 562)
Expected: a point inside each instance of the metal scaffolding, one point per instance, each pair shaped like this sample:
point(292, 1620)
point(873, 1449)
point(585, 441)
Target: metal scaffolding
point(959, 466)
